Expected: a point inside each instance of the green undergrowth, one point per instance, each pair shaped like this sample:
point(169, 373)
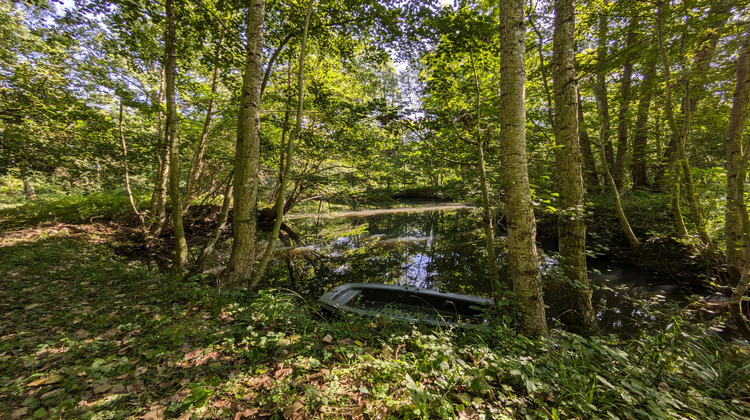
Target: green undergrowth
point(75, 207)
point(86, 334)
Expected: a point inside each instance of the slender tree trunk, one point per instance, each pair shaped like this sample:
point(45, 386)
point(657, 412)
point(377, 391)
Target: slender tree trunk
point(571, 225)
point(522, 252)
point(676, 138)
point(289, 155)
point(640, 135)
point(600, 90)
point(28, 186)
point(170, 70)
point(737, 221)
point(196, 163)
point(159, 195)
point(247, 156)
point(489, 228)
point(127, 172)
point(623, 114)
point(284, 134)
point(590, 175)
point(221, 223)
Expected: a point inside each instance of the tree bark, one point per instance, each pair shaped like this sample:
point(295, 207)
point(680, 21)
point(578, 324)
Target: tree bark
point(737, 120)
point(522, 252)
point(247, 156)
point(159, 195)
point(28, 187)
point(600, 90)
point(170, 71)
point(289, 156)
point(571, 225)
point(737, 224)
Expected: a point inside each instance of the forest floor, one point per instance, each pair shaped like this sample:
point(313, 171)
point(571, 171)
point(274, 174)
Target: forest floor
point(87, 333)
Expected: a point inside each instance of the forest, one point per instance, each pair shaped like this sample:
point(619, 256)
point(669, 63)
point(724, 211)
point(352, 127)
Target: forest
point(181, 180)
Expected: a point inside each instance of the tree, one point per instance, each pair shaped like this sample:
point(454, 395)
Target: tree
point(522, 253)
point(737, 161)
point(571, 225)
point(247, 154)
point(170, 70)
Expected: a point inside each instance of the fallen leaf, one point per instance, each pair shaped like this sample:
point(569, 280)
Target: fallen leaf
point(51, 379)
point(118, 388)
point(328, 339)
point(140, 370)
point(21, 412)
point(157, 413)
point(289, 411)
point(53, 393)
point(246, 414)
point(102, 388)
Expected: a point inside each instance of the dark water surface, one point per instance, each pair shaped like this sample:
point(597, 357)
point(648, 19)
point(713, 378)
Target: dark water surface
point(440, 247)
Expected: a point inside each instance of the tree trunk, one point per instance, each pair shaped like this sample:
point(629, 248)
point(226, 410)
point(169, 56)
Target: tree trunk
point(247, 156)
point(289, 156)
point(159, 195)
point(522, 252)
point(623, 114)
point(28, 186)
point(170, 71)
point(571, 225)
point(489, 228)
point(196, 163)
point(640, 135)
point(600, 90)
point(737, 222)
point(127, 172)
point(590, 177)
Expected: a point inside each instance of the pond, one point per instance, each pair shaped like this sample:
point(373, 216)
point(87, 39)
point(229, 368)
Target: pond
point(440, 247)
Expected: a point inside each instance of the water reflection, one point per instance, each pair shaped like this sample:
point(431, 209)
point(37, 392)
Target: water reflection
point(439, 249)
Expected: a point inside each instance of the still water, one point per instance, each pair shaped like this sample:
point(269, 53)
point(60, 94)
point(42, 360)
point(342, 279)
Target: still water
point(439, 247)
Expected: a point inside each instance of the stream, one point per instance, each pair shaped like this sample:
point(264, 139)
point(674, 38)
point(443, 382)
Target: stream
point(440, 247)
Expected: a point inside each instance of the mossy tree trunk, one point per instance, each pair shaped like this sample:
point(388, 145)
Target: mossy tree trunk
point(161, 177)
point(170, 70)
point(737, 220)
point(247, 154)
point(571, 225)
point(522, 251)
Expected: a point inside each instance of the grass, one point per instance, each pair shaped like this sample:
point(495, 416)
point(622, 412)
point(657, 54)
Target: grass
point(87, 334)
point(75, 208)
